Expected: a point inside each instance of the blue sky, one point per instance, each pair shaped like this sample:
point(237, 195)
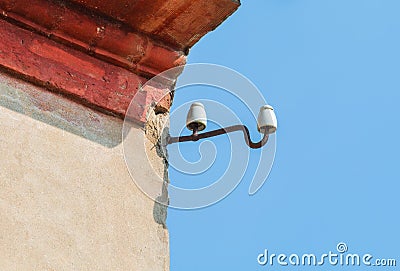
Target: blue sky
point(331, 69)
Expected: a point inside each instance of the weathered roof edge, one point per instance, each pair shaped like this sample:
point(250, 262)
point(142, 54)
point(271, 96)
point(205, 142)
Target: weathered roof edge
point(97, 61)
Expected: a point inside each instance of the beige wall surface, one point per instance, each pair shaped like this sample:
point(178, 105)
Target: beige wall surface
point(67, 201)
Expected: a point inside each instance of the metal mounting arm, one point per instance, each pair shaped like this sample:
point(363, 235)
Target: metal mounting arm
point(195, 136)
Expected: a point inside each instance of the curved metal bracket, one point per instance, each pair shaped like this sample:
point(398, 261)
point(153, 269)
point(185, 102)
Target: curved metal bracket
point(195, 136)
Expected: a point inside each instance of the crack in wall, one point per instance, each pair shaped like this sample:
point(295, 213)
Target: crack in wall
point(157, 131)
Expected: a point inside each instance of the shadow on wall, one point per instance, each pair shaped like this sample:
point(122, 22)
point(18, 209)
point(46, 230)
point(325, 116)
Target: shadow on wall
point(47, 107)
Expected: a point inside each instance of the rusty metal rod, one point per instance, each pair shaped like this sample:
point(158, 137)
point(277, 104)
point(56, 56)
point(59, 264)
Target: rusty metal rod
point(195, 136)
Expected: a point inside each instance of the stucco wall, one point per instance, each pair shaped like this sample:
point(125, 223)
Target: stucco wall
point(67, 201)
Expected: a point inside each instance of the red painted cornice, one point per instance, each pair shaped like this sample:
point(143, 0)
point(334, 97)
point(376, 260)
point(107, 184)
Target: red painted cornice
point(101, 52)
point(105, 39)
point(78, 76)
